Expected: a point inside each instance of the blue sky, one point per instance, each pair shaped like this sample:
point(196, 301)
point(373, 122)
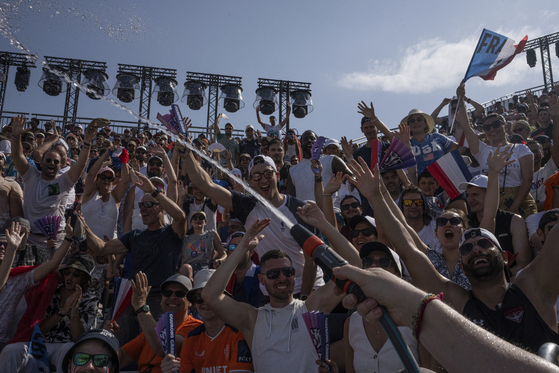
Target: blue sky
point(400, 55)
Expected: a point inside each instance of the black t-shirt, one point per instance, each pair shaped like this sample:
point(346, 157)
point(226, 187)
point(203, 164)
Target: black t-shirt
point(548, 131)
point(503, 233)
point(251, 147)
point(515, 320)
point(283, 175)
point(156, 253)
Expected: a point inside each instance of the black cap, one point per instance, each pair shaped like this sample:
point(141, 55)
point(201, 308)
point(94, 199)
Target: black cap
point(360, 218)
point(369, 247)
point(548, 217)
point(365, 119)
point(99, 334)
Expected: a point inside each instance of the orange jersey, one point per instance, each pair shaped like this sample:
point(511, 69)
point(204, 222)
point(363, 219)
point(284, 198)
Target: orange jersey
point(140, 351)
point(226, 352)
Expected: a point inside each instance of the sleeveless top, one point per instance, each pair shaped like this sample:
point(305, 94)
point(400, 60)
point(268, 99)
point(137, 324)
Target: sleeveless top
point(101, 216)
point(503, 221)
point(303, 177)
point(515, 320)
point(281, 342)
point(366, 359)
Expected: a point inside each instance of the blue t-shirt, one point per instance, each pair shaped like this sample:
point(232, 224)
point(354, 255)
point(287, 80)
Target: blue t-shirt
point(430, 149)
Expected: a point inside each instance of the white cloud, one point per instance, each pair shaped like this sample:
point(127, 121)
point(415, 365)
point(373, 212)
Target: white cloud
point(430, 65)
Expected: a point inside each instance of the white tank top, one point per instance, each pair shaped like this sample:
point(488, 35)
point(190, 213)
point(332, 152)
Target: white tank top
point(303, 177)
point(101, 216)
point(281, 342)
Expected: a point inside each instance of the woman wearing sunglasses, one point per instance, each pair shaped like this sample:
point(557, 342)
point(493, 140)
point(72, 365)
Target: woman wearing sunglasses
point(367, 347)
point(199, 246)
point(101, 198)
point(516, 180)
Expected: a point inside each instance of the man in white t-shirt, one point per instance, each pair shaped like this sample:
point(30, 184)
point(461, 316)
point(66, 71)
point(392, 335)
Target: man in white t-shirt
point(273, 129)
point(45, 192)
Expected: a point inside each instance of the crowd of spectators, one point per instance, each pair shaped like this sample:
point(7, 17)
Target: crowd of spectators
point(156, 209)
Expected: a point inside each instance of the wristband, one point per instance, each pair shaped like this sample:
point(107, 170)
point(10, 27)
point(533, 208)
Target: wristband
point(317, 179)
point(68, 239)
point(156, 192)
point(86, 144)
point(416, 323)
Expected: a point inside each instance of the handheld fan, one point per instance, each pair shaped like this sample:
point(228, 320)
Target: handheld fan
point(49, 226)
point(398, 156)
point(216, 147)
point(317, 326)
point(165, 331)
point(317, 148)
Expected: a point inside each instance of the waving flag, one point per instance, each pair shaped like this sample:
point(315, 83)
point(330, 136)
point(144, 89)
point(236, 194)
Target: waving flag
point(122, 297)
point(450, 171)
point(493, 52)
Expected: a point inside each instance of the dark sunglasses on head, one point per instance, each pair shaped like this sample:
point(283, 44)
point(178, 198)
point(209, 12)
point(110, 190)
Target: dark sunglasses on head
point(365, 232)
point(105, 177)
point(147, 204)
point(409, 202)
point(441, 222)
point(272, 274)
point(413, 120)
point(353, 205)
point(68, 272)
point(198, 217)
point(158, 164)
point(50, 160)
point(100, 361)
point(198, 298)
point(178, 293)
point(381, 262)
point(467, 248)
point(256, 176)
point(496, 124)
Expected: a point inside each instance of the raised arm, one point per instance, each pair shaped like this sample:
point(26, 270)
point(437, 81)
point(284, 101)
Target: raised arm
point(44, 269)
point(90, 132)
point(89, 187)
point(172, 191)
point(13, 238)
point(18, 158)
point(369, 112)
point(217, 131)
point(120, 188)
point(145, 319)
point(284, 122)
point(258, 118)
point(46, 145)
point(464, 121)
point(202, 181)
point(327, 198)
point(436, 112)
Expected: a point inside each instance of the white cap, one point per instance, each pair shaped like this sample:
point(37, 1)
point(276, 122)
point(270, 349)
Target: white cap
point(329, 142)
point(262, 159)
point(478, 181)
point(249, 126)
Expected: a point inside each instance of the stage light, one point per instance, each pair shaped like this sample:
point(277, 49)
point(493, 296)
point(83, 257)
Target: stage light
point(165, 87)
point(52, 84)
point(194, 94)
point(531, 57)
point(127, 87)
point(266, 99)
point(96, 81)
point(301, 103)
point(22, 78)
point(231, 99)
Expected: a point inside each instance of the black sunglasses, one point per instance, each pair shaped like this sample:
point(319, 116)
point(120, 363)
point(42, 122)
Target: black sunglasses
point(100, 361)
point(256, 176)
point(147, 204)
point(365, 232)
point(198, 298)
point(496, 124)
point(178, 293)
point(272, 274)
point(105, 177)
point(381, 262)
point(68, 272)
point(467, 248)
point(158, 164)
point(198, 217)
point(413, 120)
point(50, 160)
point(441, 222)
point(353, 205)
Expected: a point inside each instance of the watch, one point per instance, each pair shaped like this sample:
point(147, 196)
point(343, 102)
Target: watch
point(156, 192)
point(143, 309)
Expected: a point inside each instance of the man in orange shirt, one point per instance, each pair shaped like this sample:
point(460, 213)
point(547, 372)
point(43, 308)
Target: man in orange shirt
point(212, 346)
point(145, 349)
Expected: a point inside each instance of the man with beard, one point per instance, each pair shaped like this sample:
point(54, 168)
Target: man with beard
point(276, 152)
point(140, 155)
point(414, 207)
point(521, 312)
point(263, 177)
point(249, 144)
point(349, 207)
point(46, 192)
point(275, 332)
point(300, 180)
point(393, 184)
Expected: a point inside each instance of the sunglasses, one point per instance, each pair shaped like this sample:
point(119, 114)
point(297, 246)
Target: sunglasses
point(147, 204)
point(365, 232)
point(68, 272)
point(272, 274)
point(105, 177)
point(198, 298)
point(231, 247)
point(496, 124)
point(50, 160)
point(409, 202)
point(353, 205)
point(454, 221)
point(369, 261)
point(178, 293)
point(198, 217)
point(519, 129)
point(467, 248)
point(100, 361)
point(413, 120)
point(158, 164)
point(267, 174)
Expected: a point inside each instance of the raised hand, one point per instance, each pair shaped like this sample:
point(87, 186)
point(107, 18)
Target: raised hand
point(157, 150)
point(446, 101)
point(334, 184)
point(18, 125)
point(403, 134)
point(461, 90)
point(500, 159)
point(311, 214)
point(367, 111)
point(251, 239)
point(347, 147)
point(316, 167)
point(187, 123)
point(140, 290)
point(144, 183)
point(13, 235)
point(368, 184)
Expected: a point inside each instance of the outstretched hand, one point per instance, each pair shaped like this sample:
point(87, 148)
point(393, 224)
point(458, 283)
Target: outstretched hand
point(334, 184)
point(368, 184)
point(311, 214)
point(367, 111)
point(251, 239)
point(403, 134)
point(13, 235)
point(500, 159)
point(140, 290)
point(18, 125)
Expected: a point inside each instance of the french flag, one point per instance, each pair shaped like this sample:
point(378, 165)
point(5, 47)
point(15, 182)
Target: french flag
point(450, 171)
point(492, 53)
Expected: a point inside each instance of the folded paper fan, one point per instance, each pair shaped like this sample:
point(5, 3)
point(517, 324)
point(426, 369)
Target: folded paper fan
point(317, 148)
point(165, 330)
point(179, 120)
point(317, 326)
point(49, 226)
point(216, 147)
point(397, 157)
point(166, 121)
